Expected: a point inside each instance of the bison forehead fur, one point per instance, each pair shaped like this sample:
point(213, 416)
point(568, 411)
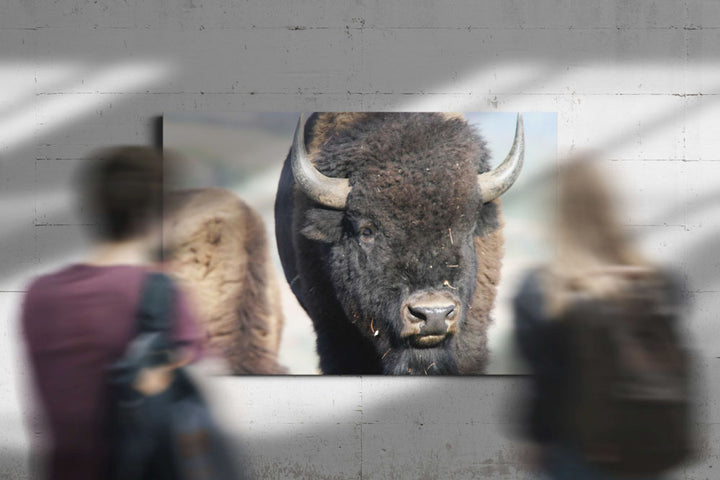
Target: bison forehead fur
point(414, 222)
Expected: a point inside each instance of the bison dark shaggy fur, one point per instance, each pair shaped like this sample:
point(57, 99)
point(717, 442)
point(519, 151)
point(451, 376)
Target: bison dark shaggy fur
point(402, 278)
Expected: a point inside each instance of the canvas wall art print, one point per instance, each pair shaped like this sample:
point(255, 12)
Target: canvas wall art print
point(349, 243)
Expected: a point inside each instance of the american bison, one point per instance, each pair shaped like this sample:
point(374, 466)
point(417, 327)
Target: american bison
point(389, 231)
point(219, 251)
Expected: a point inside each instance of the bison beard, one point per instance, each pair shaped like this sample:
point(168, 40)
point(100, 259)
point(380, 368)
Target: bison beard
point(398, 265)
point(413, 361)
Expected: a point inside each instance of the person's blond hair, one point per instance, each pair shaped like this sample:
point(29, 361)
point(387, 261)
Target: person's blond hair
point(593, 257)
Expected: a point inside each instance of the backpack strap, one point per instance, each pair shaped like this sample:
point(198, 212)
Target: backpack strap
point(156, 304)
point(154, 318)
point(151, 345)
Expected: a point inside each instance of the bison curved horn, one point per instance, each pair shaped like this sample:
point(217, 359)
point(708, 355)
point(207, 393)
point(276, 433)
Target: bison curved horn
point(327, 191)
point(494, 183)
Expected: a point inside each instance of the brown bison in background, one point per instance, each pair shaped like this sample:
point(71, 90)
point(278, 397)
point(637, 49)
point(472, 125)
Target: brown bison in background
point(219, 252)
point(390, 235)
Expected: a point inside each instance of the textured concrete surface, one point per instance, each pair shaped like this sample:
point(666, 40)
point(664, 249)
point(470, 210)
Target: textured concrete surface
point(639, 81)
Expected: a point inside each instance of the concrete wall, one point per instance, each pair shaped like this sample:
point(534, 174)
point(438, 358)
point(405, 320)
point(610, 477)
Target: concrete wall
point(637, 80)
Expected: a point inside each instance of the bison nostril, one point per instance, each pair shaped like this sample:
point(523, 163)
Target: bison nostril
point(430, 314)
point(417, 314)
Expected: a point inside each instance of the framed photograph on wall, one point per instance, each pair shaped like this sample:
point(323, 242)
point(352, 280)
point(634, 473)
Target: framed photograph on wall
point(357, 242)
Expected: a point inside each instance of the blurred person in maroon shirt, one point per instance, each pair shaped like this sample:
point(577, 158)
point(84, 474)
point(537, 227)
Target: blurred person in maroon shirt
point(79, 320)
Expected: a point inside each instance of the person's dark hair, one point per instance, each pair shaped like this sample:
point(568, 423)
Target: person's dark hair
point(122, 190)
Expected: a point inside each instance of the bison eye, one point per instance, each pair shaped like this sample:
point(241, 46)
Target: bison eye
point(367, 234)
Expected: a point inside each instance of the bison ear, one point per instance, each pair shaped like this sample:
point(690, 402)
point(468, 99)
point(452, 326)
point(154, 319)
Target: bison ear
point(323, 225)
point(488, 219)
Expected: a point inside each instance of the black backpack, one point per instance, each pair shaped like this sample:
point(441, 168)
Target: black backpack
point(169, 436)
point(627, 407)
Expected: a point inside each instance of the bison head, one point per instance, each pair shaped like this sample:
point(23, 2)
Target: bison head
point(391, 213)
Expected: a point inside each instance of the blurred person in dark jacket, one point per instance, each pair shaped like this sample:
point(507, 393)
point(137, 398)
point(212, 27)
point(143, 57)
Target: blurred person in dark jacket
point(78, 321)
point(578, 324)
